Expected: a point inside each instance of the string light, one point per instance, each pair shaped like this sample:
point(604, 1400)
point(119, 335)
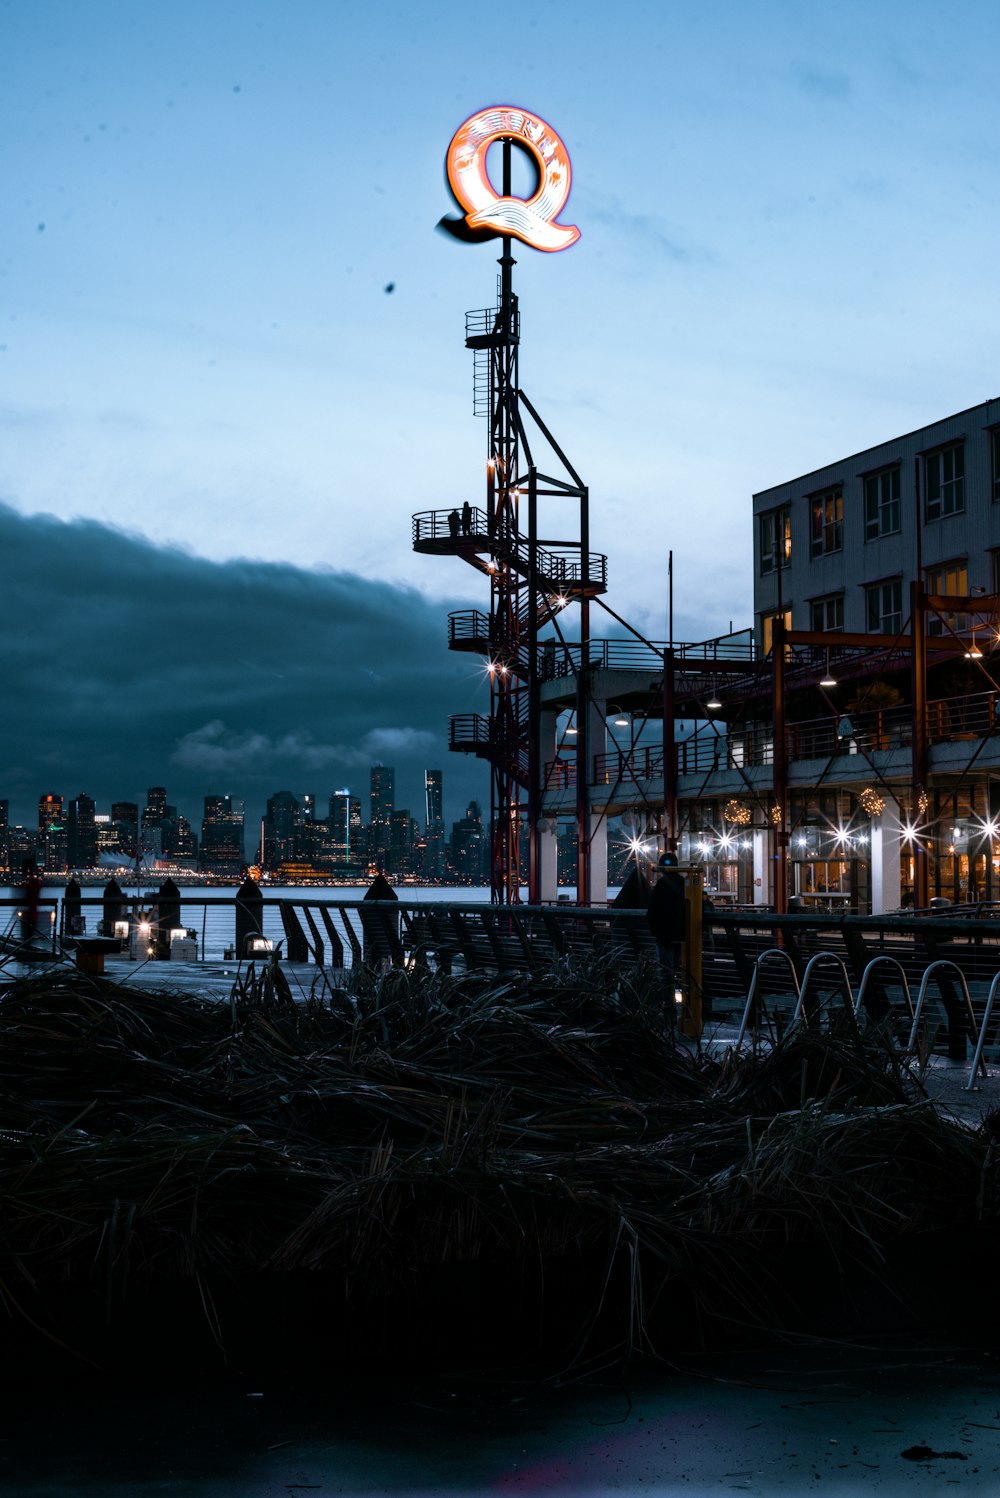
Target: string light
point(776, 814)
point(734, 811)
point(873, 803)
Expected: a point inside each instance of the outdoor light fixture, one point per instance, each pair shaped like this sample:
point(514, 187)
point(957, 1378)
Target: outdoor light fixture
point(713, 703)
point(973, 653)
point(828, 679)
point(621, 721)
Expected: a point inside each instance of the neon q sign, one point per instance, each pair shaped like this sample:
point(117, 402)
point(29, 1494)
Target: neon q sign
point(489, 213)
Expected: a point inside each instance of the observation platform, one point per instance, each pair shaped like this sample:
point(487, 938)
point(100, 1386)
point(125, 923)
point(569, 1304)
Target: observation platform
point(560, 567)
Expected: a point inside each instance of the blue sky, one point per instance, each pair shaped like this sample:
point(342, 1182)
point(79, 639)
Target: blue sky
point(788, 214)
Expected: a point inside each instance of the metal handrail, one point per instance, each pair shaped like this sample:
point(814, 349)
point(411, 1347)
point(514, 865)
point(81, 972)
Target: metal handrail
point(752, 988)
point(558, 567)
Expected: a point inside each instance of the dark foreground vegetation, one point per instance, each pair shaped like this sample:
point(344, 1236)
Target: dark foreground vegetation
point(433, 1167)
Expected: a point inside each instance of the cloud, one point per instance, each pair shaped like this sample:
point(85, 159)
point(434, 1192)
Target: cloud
point(648, 229)
point(823, 83)
point(134, 665)
point(398, 740)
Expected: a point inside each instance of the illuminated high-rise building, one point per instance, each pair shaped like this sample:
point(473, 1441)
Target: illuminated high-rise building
point(222, 836)
point(81, 833)
point(383, 791)
point(346, 832)
point(434, 825)
point(282, 829)
point(52, 850)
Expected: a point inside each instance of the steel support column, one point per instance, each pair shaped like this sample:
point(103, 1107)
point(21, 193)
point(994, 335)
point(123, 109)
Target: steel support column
point(779, 809)
point(919, 755)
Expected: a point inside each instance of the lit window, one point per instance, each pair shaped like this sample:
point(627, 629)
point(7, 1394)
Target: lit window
point(882, 504)
point(826, 534)
point(885, 607)
point(775, 540)
point(767, 629)
point(945, 478)
point(827, 613)
point(949, 581)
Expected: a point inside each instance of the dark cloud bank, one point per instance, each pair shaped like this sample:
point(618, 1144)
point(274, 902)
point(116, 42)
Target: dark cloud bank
point(129, 665)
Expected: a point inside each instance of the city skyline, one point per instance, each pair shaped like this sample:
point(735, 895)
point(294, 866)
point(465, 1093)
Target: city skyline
point(327, 832)
point(220, 273)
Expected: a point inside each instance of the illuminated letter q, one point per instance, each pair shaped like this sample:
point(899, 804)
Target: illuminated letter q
point(528, 219)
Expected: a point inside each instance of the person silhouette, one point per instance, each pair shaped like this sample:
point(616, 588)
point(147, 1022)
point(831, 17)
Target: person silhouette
point(453, 523)
point(467, 519)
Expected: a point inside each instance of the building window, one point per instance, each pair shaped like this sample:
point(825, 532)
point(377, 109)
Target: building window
point(995, 444)
point(945, 475)
point(885, 607)
point(827, 613)
point(882, 504)
point(949, 581)
point(767, 630)
point(827, 523)
point(775, 540)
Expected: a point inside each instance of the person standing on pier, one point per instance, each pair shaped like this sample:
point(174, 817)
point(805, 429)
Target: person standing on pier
point(665, 916)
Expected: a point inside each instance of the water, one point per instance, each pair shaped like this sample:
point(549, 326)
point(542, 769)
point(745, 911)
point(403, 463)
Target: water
point(207, 909)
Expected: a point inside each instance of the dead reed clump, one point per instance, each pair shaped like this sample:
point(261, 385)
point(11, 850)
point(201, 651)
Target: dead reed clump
point(538, 1140)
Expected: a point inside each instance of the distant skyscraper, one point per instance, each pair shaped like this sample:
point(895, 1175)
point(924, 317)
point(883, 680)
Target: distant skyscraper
point(434, 825)
point(403, 832)
point(125, 818)
point(52, 842)
point(50, 810)
point(282, 824)
point(345, 829)
point(308, 801)
point(468, 846)
point(81, 833)
point(383, 792)
point(222, 836)
point(156, 805)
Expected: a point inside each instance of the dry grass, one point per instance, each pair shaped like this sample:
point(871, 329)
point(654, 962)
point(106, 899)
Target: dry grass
point(376, 1134)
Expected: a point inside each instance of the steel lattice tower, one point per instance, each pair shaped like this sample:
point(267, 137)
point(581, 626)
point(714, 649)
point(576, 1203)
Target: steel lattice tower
point(531, 582)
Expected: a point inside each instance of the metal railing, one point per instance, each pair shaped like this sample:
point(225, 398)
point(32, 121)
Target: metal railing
point(560, 568)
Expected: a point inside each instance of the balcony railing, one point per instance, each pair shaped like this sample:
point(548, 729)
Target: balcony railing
point(872, 732)
point(560, 568)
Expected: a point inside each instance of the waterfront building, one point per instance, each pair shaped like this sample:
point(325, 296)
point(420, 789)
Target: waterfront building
point(844, 753)
point(836, 549)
